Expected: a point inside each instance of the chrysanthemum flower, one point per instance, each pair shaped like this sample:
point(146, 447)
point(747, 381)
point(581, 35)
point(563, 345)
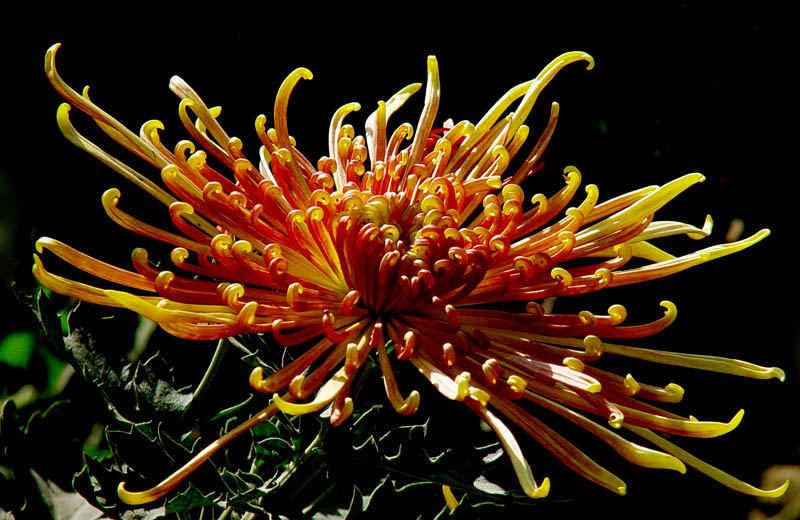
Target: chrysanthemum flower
point(408, 244)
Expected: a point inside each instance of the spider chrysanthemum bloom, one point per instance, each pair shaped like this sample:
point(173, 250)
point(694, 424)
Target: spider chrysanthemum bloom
point(407, 243)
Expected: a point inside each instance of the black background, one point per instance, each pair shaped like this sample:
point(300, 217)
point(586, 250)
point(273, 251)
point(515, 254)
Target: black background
point(676, 89)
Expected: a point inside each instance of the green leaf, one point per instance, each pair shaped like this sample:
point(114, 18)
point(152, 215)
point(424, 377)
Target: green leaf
point(242, 488)
point(190, 498)
point(98, 481)
point(50, 320)
point(233, 409)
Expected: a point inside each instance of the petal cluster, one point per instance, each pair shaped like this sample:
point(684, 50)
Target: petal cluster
point(415, 245)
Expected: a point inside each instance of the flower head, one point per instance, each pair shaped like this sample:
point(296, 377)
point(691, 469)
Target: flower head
point(416, 245)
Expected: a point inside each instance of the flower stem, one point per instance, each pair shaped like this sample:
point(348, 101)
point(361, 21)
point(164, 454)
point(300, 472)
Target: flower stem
point(211, 371)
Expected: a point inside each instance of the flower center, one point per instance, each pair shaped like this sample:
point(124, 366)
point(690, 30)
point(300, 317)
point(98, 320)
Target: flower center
point(414, 253)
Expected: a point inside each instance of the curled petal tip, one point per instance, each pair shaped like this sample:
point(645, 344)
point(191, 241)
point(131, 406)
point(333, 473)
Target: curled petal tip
point(715, 429)
point(649, 458)
point(733, 423)
point(573, 56)
point(449, 497)
point(462, 381)
point(41, 243)
point(141, 497)
point(62, 116)
point(666, 461)
point(670, 309)
point(675, 391)
point(325, 395)
point(594, 388)
point(543, 490)
point(256, 378)
point(777, 373)
point(411, 404)
point(708, 226)
point(339, 415)
point(778, 491)
point(49, 58)
point(303, 73)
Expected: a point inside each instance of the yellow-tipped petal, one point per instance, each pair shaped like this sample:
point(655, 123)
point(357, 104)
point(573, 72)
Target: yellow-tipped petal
point(640, 209)
point(633, 453)
point(514, 452)
point(481, 395)
point(707, 469)
point(433, 93)
point(648, 458)
point(701, 362)
point(256, 377)
point(71, 288)
point(161, 314)
point(455, 390)
point(462, 381)
point(385, 110)
point(675, 392)
point(402, 406)
point(691, 428)
point(631, 385)
point(333, 142)
point(341, 414)
point(675, 265)
point(449, 497)
point(659, 229)
point(96, 267)
point(325, 395)
point(110, 199)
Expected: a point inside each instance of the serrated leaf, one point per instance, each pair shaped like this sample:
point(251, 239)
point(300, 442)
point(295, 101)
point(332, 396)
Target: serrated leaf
point(153, 384)
point(50, 320)
point(275, 442)
point(386, 496)
point(98, 481)
point(242, 487)
point(231, 410)
point(135, 391)
point(176, 449)
point(424, 454)
point(250, 356)
point(190, 498)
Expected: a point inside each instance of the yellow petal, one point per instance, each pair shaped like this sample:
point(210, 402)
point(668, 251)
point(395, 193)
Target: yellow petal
point(707, 469)
point(321, 400)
